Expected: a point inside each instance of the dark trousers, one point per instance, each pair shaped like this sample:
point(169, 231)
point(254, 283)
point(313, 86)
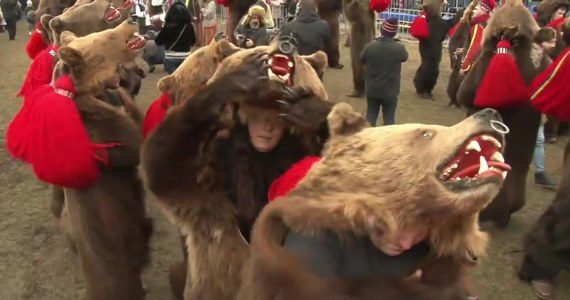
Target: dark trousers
point(388, 107)
point(11, 27)
point(170, 65)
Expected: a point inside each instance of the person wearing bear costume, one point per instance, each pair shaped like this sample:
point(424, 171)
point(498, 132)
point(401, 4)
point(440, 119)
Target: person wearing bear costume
point(508, 51)
point(229, 141)
point(430, 48)
point(465, 42)
point(547, 245)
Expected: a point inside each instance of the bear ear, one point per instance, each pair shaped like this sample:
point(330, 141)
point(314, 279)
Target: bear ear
point(343, 120)
point(45, 21)
point(56, 25)
point(165, 84)
point(67, 37)
point(225, 48)
point(73, 59)
point(317, 60)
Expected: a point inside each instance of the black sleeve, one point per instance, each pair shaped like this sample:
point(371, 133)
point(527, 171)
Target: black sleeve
point(319, 253)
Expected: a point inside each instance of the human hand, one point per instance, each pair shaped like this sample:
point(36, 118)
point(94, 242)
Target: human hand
point(458, 51)
point(249, 43)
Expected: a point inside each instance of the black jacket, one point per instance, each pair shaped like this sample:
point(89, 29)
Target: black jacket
point(383, 59)
point(311, 32)
point(177, 34)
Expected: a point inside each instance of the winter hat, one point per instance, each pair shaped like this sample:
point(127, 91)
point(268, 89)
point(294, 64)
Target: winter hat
point(389, 28)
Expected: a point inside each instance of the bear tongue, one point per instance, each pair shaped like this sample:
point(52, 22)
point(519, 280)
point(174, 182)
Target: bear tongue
point(137, 43)
point(112, 14)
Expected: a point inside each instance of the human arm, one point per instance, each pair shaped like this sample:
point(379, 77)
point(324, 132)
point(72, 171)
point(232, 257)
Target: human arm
point(319, 253)
point(403, 53)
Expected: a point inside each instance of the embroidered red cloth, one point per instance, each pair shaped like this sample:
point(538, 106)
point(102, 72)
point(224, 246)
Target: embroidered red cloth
point(36, 43)
point(550, 90)
point(289, 180)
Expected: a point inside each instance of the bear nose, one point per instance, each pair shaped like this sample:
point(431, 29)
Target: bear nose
point(492, 118)
point(286, 47)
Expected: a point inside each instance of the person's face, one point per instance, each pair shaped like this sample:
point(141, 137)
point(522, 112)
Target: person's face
point(477, 11)
point(397, 243)
point(254, 22)
point(265, 131)
point(559, 13)
point(549, 45)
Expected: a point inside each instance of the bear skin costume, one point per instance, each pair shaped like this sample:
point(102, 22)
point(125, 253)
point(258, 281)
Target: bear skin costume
point(104, 214)
point(83, 18)
point(547, 245)
point(362, 28)
point(431, 48)
point(326, 199)
point(466, 36)
point(513, 22)
point(205, 142)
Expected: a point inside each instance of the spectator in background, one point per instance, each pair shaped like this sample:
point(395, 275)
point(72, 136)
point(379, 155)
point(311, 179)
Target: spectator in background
point(209, 25)
point(31, 20)
point(252, 30)
point(309, 30)
point(138, 13)
point(10, 12)
point(383, 60)
point(177, 36)
point(546, 38)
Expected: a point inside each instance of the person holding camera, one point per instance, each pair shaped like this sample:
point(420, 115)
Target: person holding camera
point(252, 31)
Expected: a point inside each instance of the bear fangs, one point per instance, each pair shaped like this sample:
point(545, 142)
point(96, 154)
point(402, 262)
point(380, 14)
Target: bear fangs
point(473, 145)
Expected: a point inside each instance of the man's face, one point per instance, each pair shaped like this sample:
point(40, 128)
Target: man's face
point(394, 244)
point(561, 12)
point(548, 45)
point(254, 22)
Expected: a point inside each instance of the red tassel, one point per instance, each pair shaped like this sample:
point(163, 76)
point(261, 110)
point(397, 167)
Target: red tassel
point(40, 71)
point(502, 85)
point(48, 133)
point(379, 5)
point(419, 28)
point(289, 180)
point(36, 43)
point(156, 113)
point(550, 91)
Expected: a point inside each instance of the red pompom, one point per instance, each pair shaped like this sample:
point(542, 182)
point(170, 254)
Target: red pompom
point(289, 180)
point(36, 43)
point(502, 85)
point(49, 134)
point(156, 113)
point(379, 5)
point(550, 90)
point(40, 71)
point(419, 28)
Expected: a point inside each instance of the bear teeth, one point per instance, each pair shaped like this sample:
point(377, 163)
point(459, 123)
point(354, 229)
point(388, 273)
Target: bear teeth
point(473, 145)
point(483, 166)
point(497, 156)
point(493, 140)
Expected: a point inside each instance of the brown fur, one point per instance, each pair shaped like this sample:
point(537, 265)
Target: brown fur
point(82, 19)
point(188, 79)
point(52, 7)
point(547, 8)
point(185, 170)
point(107, 221)
point(373, 199)
point(513, 21)
point(362, 27)
point(329, 11)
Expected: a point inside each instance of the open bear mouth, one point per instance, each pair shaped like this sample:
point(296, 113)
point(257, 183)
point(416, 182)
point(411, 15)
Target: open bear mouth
point(112, 14)
point(281, 68)
point(136, 41)
point(479, 159)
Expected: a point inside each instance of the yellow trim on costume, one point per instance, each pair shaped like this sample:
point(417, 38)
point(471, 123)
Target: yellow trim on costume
point(473, 38)
point(547, 81)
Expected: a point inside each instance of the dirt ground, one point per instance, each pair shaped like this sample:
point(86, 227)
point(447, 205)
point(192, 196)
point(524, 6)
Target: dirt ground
point(36, 263)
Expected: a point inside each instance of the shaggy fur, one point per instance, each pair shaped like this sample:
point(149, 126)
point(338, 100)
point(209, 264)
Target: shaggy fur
point(513, 21)
point(431, 49)
point(107, 221)
point(349, 192)
point(52, 7)
point(206, 187)
point(547, 245)
point(460, 39)
point(329, 11)
point(188, 79)
point(362, 27)
point(83, 19)
point(546, 9)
